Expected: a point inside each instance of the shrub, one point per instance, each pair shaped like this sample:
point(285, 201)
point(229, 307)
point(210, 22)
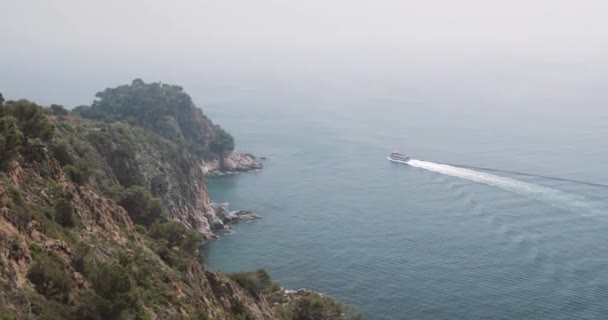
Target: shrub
point(109, 279)
point(142, 207)
point(10, 139)
point(50, 278)
point(90, 306)
point(74, 174)
point(16, 196)
point(256, 283)
point(64, 213)
point(7, 315)
point(141, 229)
point(58, 110)
point(80, 256)
point(62, 154)
point(176, 235)
point(45, 309)
point(31, 120)
point(316, 306)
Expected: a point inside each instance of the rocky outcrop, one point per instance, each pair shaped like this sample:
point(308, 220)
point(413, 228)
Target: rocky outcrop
point(226, 217)
point(133, 156)
point(234, 162)
point(28, 194)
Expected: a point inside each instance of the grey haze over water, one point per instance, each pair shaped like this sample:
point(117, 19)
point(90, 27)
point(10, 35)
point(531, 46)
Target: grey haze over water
point(553, 52)
point(326, 89)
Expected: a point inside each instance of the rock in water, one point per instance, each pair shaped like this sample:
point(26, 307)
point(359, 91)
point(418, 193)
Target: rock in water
point(246, 215)
point(231, 163)
point(241, 162)
point(227, 217)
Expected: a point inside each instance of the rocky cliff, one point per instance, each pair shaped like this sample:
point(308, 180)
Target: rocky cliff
point(57, 272)
point(102, 217)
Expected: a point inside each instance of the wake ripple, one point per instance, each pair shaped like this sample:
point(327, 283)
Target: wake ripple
point(551, 196)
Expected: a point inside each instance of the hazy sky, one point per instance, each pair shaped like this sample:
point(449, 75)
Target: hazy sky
point(65, 50)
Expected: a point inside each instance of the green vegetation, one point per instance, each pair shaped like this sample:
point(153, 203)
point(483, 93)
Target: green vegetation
point(23, 126)
point(109, 279)
point(176, 234)
point(164, 109)
point(58, 110)
point(81, 264)
point(314, 307)
point(64, 213)
point(142, 207)
point(50, 278)
point(31, 120)
point(7, 315)
point(257, 283)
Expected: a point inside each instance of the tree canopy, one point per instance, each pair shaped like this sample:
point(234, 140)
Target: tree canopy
point(164, 109)
point(21, 122)
point(31, 120)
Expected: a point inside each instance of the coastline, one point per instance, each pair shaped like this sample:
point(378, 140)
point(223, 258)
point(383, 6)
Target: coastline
point(234, 162)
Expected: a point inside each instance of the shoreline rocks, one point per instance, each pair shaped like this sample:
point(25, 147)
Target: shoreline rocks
point(234, 162)
point(224, 217)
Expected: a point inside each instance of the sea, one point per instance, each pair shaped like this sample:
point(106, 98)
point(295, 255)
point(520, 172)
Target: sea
point(501, 214)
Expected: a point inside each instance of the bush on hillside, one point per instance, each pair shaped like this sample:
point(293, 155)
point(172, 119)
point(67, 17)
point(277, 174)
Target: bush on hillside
point(64, 213)
point(58, 110)
point(50, 278)
point(109, 279)
point(31, 120)
point(316, 306)
point(142, 207)
point(256, 283)
point(74, 174)
point(164, 109)
point(176, 235)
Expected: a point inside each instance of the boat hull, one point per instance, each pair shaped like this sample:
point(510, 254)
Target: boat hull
point(398, 160)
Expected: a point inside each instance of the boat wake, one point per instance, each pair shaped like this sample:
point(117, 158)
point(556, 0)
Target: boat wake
point(519, 173)
point(551, 196)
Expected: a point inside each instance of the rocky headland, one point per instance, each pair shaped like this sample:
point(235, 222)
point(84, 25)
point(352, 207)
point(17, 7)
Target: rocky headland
point(231, 163)
point(102, 211)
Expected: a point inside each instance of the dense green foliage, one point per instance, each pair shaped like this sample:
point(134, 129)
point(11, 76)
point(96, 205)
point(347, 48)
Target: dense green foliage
point(58, 110)
point(312, 306)
point(50, 278)
point(176, 234)
point(142, 207)
point(164, 109)
point(77, 274)
point(7, 315)
point(257, 283)
point(22, 125)
point(109, 279)
point(31, 120)
point(64, 213)
point(316, 307)
point(10, 138)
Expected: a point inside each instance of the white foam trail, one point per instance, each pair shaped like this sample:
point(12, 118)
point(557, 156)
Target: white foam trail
point(551, 196)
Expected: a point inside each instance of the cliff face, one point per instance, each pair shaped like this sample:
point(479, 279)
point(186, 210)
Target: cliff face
point(29, 234)
point(152, 135)
point(102, 219)
point(137, 157)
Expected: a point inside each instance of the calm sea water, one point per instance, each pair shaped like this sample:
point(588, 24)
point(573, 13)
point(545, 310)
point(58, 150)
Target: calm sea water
point(427, 241)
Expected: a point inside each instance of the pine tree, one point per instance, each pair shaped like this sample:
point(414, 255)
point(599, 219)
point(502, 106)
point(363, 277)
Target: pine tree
point(32, 121)
point(10, 138)
point(2, 110)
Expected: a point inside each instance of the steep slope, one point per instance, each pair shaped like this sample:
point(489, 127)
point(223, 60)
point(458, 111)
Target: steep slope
point(103, 220)
point(113, 157)
point(57, 271)
point(169, 112)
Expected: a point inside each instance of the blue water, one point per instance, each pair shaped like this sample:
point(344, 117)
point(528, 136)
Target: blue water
point(425, 242)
